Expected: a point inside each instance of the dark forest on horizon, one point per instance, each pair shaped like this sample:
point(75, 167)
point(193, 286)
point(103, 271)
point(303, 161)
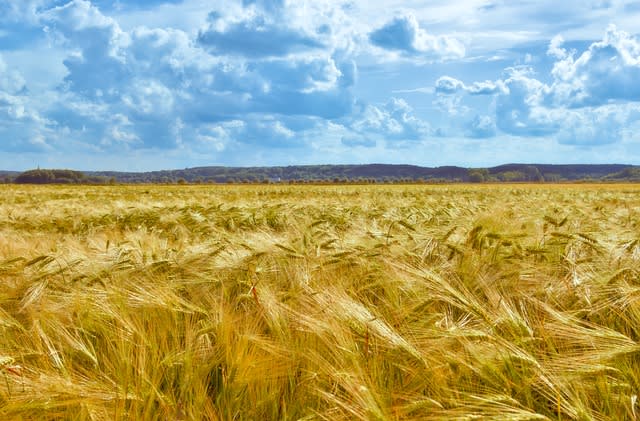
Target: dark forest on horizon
point(336, 174)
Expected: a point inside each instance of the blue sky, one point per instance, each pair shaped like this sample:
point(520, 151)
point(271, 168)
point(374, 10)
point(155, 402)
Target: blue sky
point(152, 84)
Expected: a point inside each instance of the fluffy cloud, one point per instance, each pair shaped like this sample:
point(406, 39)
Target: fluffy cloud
point(593, 126)
point(588, 102)
point(555, 48)
point(163, 79)
point(448, 85)
point(405, 35)
point(482, 126)
point(263, 76)
point(257, 37)
point(98, 46)
point(24, 11)
point(267, 132)
point(148, 97)
point(590, 99)
point(79, 15)
point(394, 122)
point(527, 111)
point(486, 88)
point(22, 127)
point(520, 110)
point(11, 81)
point(270, 6)
point(608, 70)
point(315, 86)
point(253, 131)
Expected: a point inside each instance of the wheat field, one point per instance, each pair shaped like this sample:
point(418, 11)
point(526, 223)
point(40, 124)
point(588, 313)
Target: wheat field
point(272, 302)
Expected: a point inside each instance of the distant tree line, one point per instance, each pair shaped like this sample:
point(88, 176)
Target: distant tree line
point(54, 176)
point(337, 174)
point(527, 173)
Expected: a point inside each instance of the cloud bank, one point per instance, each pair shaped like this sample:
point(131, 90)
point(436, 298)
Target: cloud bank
point(590, 98)
point(180, 83)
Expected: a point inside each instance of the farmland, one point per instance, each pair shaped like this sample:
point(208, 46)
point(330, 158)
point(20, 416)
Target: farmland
point(271, 302)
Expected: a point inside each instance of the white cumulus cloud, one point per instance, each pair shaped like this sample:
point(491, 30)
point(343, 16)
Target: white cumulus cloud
point(405, 35)
point(608, 70)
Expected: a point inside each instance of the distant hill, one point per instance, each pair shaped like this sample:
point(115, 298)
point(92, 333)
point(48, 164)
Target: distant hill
point(561, 172)
point(298, 173)
point(369, 173)
point(8, 176)
point(626, 174)
point(56, 176)
point(383, 173)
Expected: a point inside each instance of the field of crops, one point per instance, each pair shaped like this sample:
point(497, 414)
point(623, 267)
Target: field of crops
point(514, 302)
